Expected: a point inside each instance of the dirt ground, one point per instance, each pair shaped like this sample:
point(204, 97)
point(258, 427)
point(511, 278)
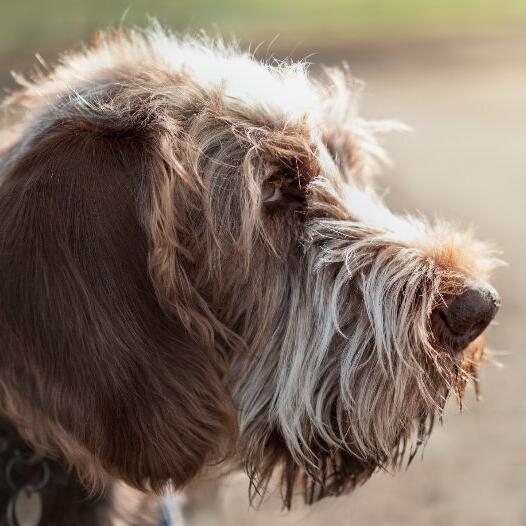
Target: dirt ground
point(465, 161)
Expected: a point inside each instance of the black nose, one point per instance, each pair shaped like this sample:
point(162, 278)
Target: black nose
point(464, 317)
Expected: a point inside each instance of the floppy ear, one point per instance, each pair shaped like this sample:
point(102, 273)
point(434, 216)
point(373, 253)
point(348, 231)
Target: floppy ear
point(91, 366)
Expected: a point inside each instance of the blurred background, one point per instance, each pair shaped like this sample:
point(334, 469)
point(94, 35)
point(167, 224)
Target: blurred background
point(454, 70)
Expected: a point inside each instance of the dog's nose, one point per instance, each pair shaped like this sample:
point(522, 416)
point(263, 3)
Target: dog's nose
point(464, 317)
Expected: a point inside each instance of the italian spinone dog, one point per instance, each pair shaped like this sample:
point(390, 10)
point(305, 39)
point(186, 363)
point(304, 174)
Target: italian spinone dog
point(196, 271)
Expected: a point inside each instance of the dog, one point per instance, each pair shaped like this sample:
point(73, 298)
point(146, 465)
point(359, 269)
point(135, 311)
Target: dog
point(196, 271)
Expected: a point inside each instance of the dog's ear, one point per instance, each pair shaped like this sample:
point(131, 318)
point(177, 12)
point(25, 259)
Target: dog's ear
point(92, 366)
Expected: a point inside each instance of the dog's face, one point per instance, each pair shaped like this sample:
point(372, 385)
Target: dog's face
point(195, 267)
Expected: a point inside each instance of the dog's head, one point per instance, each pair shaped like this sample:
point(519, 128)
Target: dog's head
point(194, 266)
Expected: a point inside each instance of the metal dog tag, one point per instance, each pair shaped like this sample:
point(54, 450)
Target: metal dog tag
point(24, 508)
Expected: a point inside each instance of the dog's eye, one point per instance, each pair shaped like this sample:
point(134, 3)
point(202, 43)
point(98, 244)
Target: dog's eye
point(271, 193)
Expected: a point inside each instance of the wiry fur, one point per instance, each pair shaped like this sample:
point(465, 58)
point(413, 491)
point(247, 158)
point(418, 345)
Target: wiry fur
point(157, 316)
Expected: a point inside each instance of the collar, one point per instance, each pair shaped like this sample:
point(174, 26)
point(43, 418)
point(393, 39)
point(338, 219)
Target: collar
point(26, 474)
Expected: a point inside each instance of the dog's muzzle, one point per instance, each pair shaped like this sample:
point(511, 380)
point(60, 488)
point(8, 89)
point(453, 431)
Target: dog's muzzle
point(464, 317)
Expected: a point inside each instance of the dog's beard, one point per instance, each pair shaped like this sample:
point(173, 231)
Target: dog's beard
point(350, 379)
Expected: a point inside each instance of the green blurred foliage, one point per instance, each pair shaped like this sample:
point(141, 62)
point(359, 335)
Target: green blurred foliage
point(50, 23)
